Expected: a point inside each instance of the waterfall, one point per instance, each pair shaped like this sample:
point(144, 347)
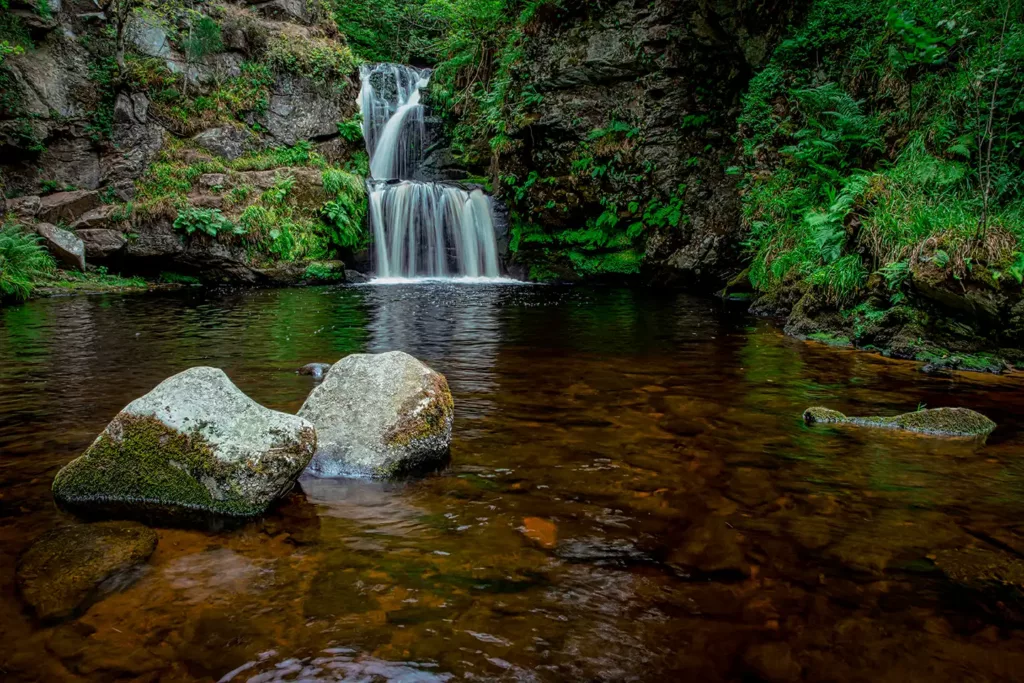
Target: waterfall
point(420, 229)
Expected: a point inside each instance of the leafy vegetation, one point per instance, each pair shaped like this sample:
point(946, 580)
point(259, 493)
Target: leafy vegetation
point(23, 262)
point(883, 138)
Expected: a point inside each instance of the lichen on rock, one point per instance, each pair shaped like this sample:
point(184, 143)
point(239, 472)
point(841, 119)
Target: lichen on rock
point(195, 444)
point(380, 415)
point(935, 421)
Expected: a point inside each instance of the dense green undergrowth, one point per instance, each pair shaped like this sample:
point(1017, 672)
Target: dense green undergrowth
point(281, 204)
point(883, 137)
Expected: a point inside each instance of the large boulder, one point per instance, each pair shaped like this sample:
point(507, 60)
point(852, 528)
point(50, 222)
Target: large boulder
point(64, 245)
point(192, 448)
point(933, 421)
point(380, 415)
point(68, 568)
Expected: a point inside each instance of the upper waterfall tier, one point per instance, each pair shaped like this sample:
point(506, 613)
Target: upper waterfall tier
point(420, 229)
point(393, 126)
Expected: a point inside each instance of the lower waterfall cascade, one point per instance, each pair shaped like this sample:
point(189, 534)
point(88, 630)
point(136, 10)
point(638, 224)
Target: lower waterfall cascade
point(420, 229)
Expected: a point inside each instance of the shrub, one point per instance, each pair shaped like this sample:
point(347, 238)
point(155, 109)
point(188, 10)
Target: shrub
point(207, 221)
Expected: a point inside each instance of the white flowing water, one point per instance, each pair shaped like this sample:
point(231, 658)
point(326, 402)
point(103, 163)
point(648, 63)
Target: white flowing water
point(420, 229)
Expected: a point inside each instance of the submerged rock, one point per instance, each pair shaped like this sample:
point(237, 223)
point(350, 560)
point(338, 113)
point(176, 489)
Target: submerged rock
point(192, 447)
point(317, 370)
point(380, 414)
point(934, 421)
point(68, 568)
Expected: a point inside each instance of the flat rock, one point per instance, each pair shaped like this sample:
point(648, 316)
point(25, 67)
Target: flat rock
point(101, 242)
point(65, 246)
point(193, 447)
point(68, 568)
point(932, 421)
point(67, 206)
point(381, 415)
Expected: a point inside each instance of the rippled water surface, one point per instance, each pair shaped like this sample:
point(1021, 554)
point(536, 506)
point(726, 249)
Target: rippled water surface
point(632, 496)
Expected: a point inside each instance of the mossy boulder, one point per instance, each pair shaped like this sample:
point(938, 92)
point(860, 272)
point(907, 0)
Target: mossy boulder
point(68, 569)
point(381, 415)
point(194, 446)
point(936, 421)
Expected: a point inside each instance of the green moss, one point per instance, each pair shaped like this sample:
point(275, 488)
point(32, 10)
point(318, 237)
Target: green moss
point(936, 422)
point(830, 339)
point(139, 460)
point(974, 362)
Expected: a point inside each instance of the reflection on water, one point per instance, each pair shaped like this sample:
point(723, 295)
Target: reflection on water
point(632, 496)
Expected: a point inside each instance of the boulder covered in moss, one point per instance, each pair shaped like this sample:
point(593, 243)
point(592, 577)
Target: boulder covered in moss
point(380, 415)
point(68, 569)
point(193, 447)
point(934, 421)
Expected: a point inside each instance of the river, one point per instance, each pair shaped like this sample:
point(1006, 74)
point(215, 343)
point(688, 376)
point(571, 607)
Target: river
point(632, 496)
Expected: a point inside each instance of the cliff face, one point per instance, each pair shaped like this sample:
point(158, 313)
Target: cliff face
point(632, 109)
point(167, 162)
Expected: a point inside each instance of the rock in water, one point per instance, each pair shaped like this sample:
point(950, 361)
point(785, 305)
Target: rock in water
point(317, 370)
point(68, 568)
point(194, 446)
point(381, 415)
point(934, 421)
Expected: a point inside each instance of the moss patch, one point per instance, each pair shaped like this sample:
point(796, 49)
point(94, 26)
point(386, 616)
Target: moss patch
point(937, 422)
point(139, 460)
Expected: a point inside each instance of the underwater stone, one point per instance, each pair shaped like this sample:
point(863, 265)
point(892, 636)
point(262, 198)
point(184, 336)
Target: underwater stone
point(67, 568)
point(381, 415)
point(194, 446)
point(316, 370)
point(933, 421)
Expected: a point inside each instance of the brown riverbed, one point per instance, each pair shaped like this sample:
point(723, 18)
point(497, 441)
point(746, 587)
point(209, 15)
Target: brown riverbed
point(632, 496)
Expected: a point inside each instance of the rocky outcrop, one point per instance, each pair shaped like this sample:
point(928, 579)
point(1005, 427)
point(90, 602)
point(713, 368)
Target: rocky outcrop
point(101, 243)
point(66, 207)
point(932, 421)
point(193, 447)
point(380, 415)
point(635, 102)
point(69, 568)
point(227, 141)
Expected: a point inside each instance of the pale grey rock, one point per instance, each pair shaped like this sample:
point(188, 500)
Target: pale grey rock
point(301, 109)
point(380, 415)
point(193, 443)
point(283, 10)
point(145, 32)
point(64, 245)
point(101, 243)
point(227, 141)
point(66, 207)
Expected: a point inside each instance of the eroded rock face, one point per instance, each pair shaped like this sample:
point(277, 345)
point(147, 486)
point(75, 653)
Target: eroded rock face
point(194, 444)
point(101, 243)
point(67, 206)
point(67, 568)
point(67, 248)
point(380, 415)
point(227, 141)
point(933, 421)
